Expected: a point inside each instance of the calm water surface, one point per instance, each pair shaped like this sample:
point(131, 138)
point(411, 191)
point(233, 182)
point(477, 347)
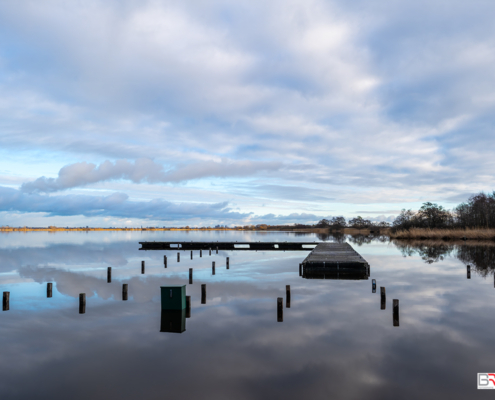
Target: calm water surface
point(335, 341)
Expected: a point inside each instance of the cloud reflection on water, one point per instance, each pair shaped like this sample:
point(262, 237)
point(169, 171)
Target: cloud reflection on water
point(334, 341)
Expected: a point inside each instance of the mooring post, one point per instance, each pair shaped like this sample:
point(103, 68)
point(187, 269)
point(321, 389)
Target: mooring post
point(203, 293)
point(142, 267)
point(82, 303)
point(469, 272)
point(287, 296)
point(227, 262)
point(178, 257)
point(190, 276)
point(109, 274)
point(165, 261)
point(213, 268)
point(300, 269)
point(383, 298)
point(188, 306)
point(124, 291)
point(191, 254)
point(210, 251)
point(280, 309)
point(200, 252)
point(6, 301)
point(396, 312)
point(217, 249)
point(373, 286)
point(49, 287)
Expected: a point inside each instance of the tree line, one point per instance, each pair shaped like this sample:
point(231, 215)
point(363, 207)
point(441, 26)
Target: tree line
point(477, 212)
point(358, 222)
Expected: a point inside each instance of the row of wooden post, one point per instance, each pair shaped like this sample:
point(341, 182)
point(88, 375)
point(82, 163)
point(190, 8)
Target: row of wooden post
point(280, 304)
point(383, 302)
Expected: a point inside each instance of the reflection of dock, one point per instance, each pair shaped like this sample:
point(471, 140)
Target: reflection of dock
point(335, 261)
point(336, 275)
point(273, 246)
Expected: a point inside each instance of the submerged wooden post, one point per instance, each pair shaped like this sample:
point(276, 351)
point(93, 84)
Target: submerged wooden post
point(383, 298)
point(109, 274)
point(469, 272)
point(200, 252)
point(49, 287)
point(280, 309)
point(190, 276)
point(300, 269)
point(124, 291)
point(142, 267)
point(6, 301)
point(203, 293)
point(178, 257)
point(213, 268)
point(188, 306)
point(82, 303)
point(227, 262)
point(165, 261)
point(373, 286)
point(287, 296)
point(191, 254)
point(396, 312)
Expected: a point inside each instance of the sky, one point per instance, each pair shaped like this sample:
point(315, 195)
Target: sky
point(173, 113)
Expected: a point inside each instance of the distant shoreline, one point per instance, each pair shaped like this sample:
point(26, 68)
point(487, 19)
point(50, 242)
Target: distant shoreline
point(93, 229)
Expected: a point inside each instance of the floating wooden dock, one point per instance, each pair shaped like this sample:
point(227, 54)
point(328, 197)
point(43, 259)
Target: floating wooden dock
point(273, 246)
point(335, 261)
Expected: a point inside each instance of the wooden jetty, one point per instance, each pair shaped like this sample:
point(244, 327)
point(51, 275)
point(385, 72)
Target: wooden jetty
point(326, 260)
point(273, 246)
point(335, 261)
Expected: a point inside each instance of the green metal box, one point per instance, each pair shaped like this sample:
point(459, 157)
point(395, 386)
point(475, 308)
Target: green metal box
point(173, 297)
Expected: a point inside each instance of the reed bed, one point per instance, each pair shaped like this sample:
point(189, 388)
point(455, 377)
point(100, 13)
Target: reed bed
point(444, 234)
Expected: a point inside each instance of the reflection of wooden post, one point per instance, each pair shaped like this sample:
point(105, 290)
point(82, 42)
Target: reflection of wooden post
point(188, 306)
point(300, 269)
point(383, 298)
point(165, 261)
point(124, 291)
point(200, 252)
point(280, 310)
point(469, 272)
point(109, 274)
point(178, 257)
point(142, 267)
point(396, 312)
point(227, 262)
point(287, 296)
point(373, 286)
point(6, 301)
point(49, 287)
point(213, 268)
point(203, 293)
point(191, 254)
point(82, 303)
point(190, 276)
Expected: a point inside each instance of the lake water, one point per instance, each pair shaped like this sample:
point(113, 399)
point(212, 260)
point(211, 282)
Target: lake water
point(335, 341)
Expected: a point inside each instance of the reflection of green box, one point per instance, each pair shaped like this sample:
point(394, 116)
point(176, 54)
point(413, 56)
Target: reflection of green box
point(173, 321)
point(173, 297)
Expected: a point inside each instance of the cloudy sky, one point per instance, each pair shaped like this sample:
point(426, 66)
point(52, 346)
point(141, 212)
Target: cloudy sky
point(120, 113)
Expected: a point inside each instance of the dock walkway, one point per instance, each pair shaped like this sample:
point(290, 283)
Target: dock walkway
point(274, 246)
